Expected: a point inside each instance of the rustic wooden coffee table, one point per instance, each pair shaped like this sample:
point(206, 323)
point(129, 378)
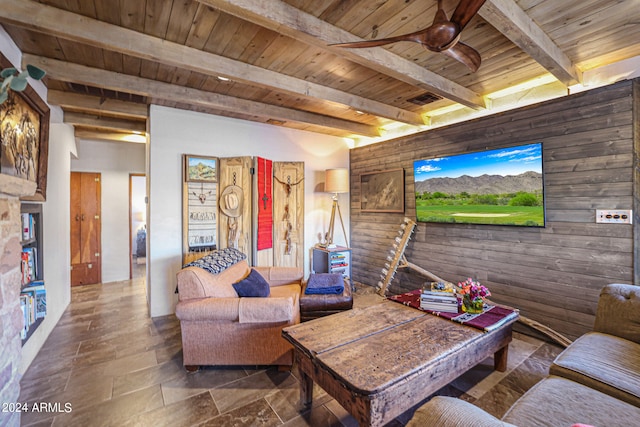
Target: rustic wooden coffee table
point(379, 361)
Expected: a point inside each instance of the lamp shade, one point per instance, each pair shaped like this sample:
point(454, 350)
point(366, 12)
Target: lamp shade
point(336, 181)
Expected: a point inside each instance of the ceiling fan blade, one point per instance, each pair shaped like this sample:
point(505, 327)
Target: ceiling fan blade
point(465, 10)
point(465, 54)
point(417, 37)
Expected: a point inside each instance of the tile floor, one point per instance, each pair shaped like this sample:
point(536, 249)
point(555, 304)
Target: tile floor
point(108, 364)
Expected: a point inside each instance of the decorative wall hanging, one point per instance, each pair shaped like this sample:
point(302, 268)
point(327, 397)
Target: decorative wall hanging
point(231, 202)
point(201, 215)
point(265, 204)
point(288, 213)
point(286, 216)
point(24, 137)
point(235, 228)
point(382, 191)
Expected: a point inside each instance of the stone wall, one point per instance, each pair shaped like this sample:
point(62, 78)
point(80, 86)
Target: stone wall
point(10, 314)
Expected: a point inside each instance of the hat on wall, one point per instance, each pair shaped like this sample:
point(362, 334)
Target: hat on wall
point(231, 201)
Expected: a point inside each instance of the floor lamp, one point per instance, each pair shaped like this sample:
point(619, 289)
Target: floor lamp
point(336, 181)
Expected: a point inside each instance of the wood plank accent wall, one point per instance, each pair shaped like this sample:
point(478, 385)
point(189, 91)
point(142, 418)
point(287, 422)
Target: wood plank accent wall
point(552, 274)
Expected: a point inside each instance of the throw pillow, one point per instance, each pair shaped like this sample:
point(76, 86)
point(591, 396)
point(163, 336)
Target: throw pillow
point(254, 285)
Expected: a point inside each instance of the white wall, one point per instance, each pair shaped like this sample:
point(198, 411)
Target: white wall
point(175, 132)
point(56, 215)
point(56, 229)
point(114, 161)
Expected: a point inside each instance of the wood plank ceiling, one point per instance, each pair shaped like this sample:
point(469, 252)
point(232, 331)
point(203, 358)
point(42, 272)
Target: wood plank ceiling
point(269, 61)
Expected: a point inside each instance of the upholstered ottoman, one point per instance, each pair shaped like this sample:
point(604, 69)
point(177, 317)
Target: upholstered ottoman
point(319, 305)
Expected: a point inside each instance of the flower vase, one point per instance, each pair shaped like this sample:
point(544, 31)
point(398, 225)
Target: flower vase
point(475, 306)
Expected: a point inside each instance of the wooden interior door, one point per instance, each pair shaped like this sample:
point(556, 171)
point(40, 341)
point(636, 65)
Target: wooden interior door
point(85, 228)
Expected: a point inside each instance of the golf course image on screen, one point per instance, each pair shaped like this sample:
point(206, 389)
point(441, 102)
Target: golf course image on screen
point(500, 187)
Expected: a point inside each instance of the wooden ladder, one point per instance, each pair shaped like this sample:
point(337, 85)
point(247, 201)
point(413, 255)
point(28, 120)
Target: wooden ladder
point(396, 258)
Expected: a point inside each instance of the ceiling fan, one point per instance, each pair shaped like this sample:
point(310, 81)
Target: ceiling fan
point(442, 36)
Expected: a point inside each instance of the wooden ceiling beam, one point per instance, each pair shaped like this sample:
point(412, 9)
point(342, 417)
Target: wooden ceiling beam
point(508, 18)
point(285, 19)
point(101, 135)
point(71, 72)
point(110, 123)
point(97, 105)
point(70, 26)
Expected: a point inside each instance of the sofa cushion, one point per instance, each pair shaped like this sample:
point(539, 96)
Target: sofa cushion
point(254, 285)
point(619, 311)
point(445, 411)
point(603, 362)
point(194, 282)
point(557, 401)
point(278, 276)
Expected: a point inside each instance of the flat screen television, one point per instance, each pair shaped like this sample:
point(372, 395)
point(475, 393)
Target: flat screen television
point(503, 186)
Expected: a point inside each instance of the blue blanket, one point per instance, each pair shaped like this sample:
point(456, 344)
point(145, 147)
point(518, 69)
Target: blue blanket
point(325, 283)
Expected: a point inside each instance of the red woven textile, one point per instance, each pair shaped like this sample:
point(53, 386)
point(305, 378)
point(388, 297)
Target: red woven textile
point(265, 204)
point(490, 319)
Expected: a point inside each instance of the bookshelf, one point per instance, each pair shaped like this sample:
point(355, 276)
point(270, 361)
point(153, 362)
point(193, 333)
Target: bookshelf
point(32, 290)
point(332, 260)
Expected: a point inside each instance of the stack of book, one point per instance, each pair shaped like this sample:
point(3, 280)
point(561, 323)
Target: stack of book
point(33, 303)
point(439, 297)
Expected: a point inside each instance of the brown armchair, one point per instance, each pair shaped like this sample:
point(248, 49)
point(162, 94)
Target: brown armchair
point(221, 328)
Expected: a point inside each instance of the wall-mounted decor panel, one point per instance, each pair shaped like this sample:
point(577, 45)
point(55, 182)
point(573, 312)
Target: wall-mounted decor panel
point(200, 206)
point(288, 214)
point(235, 204)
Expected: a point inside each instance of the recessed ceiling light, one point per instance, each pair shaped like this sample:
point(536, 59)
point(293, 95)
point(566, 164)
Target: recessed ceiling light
point(359, 112)
point(223, 79)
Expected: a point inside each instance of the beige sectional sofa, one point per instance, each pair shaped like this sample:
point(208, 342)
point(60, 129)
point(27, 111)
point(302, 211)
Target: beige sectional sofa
point(221, 328)
point(594, 381)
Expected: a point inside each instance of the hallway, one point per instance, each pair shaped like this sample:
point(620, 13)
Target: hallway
point(109, 364)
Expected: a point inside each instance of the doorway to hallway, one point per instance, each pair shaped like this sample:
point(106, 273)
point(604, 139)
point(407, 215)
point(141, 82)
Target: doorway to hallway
point(137, 225)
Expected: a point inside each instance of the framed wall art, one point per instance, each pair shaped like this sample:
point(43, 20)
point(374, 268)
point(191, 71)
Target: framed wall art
point(382, 191)
point(24, 137)
point(201, 168)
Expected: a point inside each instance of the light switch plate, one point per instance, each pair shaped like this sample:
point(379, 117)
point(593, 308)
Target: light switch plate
point(613, 216)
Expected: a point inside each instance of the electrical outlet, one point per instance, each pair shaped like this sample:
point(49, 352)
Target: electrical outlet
point(613, 216)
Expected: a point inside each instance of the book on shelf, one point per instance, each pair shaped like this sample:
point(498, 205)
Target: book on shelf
point(23, 307)
point(37, 290)
point(28, 226)
point(29, 265)
point(33, 303)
